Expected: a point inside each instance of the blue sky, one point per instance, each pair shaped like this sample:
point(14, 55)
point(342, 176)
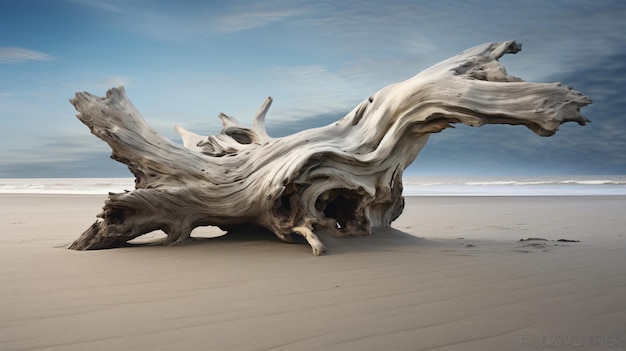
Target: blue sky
point(183, 62)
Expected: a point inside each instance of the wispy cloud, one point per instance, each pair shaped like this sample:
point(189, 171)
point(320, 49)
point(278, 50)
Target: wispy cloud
point(97, 5)
point(20, 55)
point(251, 18)
point(114, 81)
point(308, 90)
point(65, 155)
point(309, 79)
point(183, 22)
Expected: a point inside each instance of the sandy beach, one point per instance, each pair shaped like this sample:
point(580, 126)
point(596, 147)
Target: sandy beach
point(451, 275)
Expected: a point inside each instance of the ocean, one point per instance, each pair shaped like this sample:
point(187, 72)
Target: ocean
point(516, 186)
point(413, 186)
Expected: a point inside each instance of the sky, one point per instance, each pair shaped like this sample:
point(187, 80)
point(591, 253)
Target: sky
point(184, 62)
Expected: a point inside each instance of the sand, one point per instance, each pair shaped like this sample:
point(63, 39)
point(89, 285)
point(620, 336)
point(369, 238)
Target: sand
point(452, 275)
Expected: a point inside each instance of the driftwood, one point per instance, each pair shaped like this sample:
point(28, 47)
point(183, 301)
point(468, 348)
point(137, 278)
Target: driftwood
point(345, 177)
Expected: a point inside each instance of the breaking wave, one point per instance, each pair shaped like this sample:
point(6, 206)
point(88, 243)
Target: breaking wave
point(78, 186)
point(516, 186)
point(413, 186)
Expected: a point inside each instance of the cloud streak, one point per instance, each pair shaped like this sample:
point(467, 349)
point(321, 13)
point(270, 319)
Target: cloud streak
point(97, 5)
point(254, 17)
point(60, 156)
point(20, 55)
point(181, 22)
point(114, 81)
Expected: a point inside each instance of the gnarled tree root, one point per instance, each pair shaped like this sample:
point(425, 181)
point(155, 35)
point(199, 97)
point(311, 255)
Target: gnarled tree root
point(345, 177)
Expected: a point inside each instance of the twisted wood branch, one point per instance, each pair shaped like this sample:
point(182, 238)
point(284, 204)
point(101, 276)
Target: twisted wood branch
point(345, 177)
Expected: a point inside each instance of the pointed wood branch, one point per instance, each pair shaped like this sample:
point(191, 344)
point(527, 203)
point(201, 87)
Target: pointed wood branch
point(345, 177)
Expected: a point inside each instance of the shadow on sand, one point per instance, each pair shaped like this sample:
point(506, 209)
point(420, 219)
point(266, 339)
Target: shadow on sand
point(382, 239)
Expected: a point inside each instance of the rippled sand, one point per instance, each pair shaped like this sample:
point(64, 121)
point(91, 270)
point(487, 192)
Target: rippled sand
point(452, 275)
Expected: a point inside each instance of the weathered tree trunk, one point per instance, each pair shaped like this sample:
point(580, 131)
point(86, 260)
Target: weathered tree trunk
point(345, 177)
